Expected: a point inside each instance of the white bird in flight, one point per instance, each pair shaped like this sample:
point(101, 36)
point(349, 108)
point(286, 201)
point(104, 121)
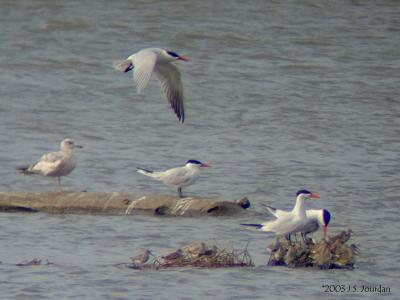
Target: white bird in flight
point(289, 223)
point(55, 164)
point(157, 61)
point(316, 218)
point(178, 177)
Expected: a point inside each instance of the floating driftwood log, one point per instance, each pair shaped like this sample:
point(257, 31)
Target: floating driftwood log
point(329, 253)
point(196, 254)
point(118, 203)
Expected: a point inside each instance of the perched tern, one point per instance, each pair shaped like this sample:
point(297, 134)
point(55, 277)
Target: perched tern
point(178, 177)
point(291, 222)
point(316, 218)
point(157, 61)
point(55, 164)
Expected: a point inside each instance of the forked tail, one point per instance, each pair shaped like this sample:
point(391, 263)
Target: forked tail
point(145, 172)
point(257, 226)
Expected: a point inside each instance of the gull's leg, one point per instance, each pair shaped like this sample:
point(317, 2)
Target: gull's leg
point(59, 184)
point(180, 192)
point(55, 184)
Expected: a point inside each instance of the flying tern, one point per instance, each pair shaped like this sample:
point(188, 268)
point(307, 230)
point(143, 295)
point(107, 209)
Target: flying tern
point(157, 61)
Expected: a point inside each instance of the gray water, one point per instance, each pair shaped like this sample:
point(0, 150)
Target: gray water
point(280, 95)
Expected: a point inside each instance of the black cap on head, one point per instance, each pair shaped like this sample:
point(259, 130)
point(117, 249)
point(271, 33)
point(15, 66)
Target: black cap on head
point(193, 161)
point(303, 192)
point(173, 54)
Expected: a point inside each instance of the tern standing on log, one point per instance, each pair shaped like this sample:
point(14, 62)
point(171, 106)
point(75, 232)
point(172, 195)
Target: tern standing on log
point(55, 164)
point(178, 177)
point(291, 222)
point(157, 61)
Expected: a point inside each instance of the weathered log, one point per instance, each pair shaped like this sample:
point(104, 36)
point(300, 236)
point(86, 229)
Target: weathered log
point(118, 203)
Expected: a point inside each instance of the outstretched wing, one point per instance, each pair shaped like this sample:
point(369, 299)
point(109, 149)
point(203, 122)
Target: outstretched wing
point(277, 213)
point(171, 86)
point(143, 62)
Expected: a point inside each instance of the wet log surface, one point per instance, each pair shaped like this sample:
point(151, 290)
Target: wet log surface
point(118, 203)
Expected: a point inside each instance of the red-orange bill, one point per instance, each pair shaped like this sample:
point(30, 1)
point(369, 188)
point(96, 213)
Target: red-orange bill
point(325, 230)
point(315, 195)
point(184, 58)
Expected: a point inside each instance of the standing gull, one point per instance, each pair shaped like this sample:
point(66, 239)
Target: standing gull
point(55, 164)
point(157, 61)
point(178, 177)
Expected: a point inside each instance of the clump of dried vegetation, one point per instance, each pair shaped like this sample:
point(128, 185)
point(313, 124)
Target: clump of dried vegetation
point(33, 262)
point(196, 254)
point(330, 253)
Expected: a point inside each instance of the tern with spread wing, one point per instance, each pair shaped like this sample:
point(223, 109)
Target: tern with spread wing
point(292, 222)
point(178, 177)
point(157, 61)
point(55, 164)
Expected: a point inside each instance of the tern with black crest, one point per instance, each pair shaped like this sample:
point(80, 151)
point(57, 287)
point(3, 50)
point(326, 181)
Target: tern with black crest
point(157, 61)
point(316, 219)
point(177, 177)
point(291, 222)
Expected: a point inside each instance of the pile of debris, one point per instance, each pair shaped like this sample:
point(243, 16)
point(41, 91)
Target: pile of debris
point(196, 254)
point(329, 253)
point(33, 262)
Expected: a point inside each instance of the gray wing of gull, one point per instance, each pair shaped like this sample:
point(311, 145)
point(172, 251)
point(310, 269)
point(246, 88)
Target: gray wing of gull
point(171, 85)
point(48, 163)
point(143, 62)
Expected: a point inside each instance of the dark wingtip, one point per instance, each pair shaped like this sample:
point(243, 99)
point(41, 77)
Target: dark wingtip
point(23, 170)
point(143, 169)
point(258, 226)
point(129, 68)
point(179, 113)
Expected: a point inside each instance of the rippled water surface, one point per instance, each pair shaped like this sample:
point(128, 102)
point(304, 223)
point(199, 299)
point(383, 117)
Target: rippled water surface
point(280, 95)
